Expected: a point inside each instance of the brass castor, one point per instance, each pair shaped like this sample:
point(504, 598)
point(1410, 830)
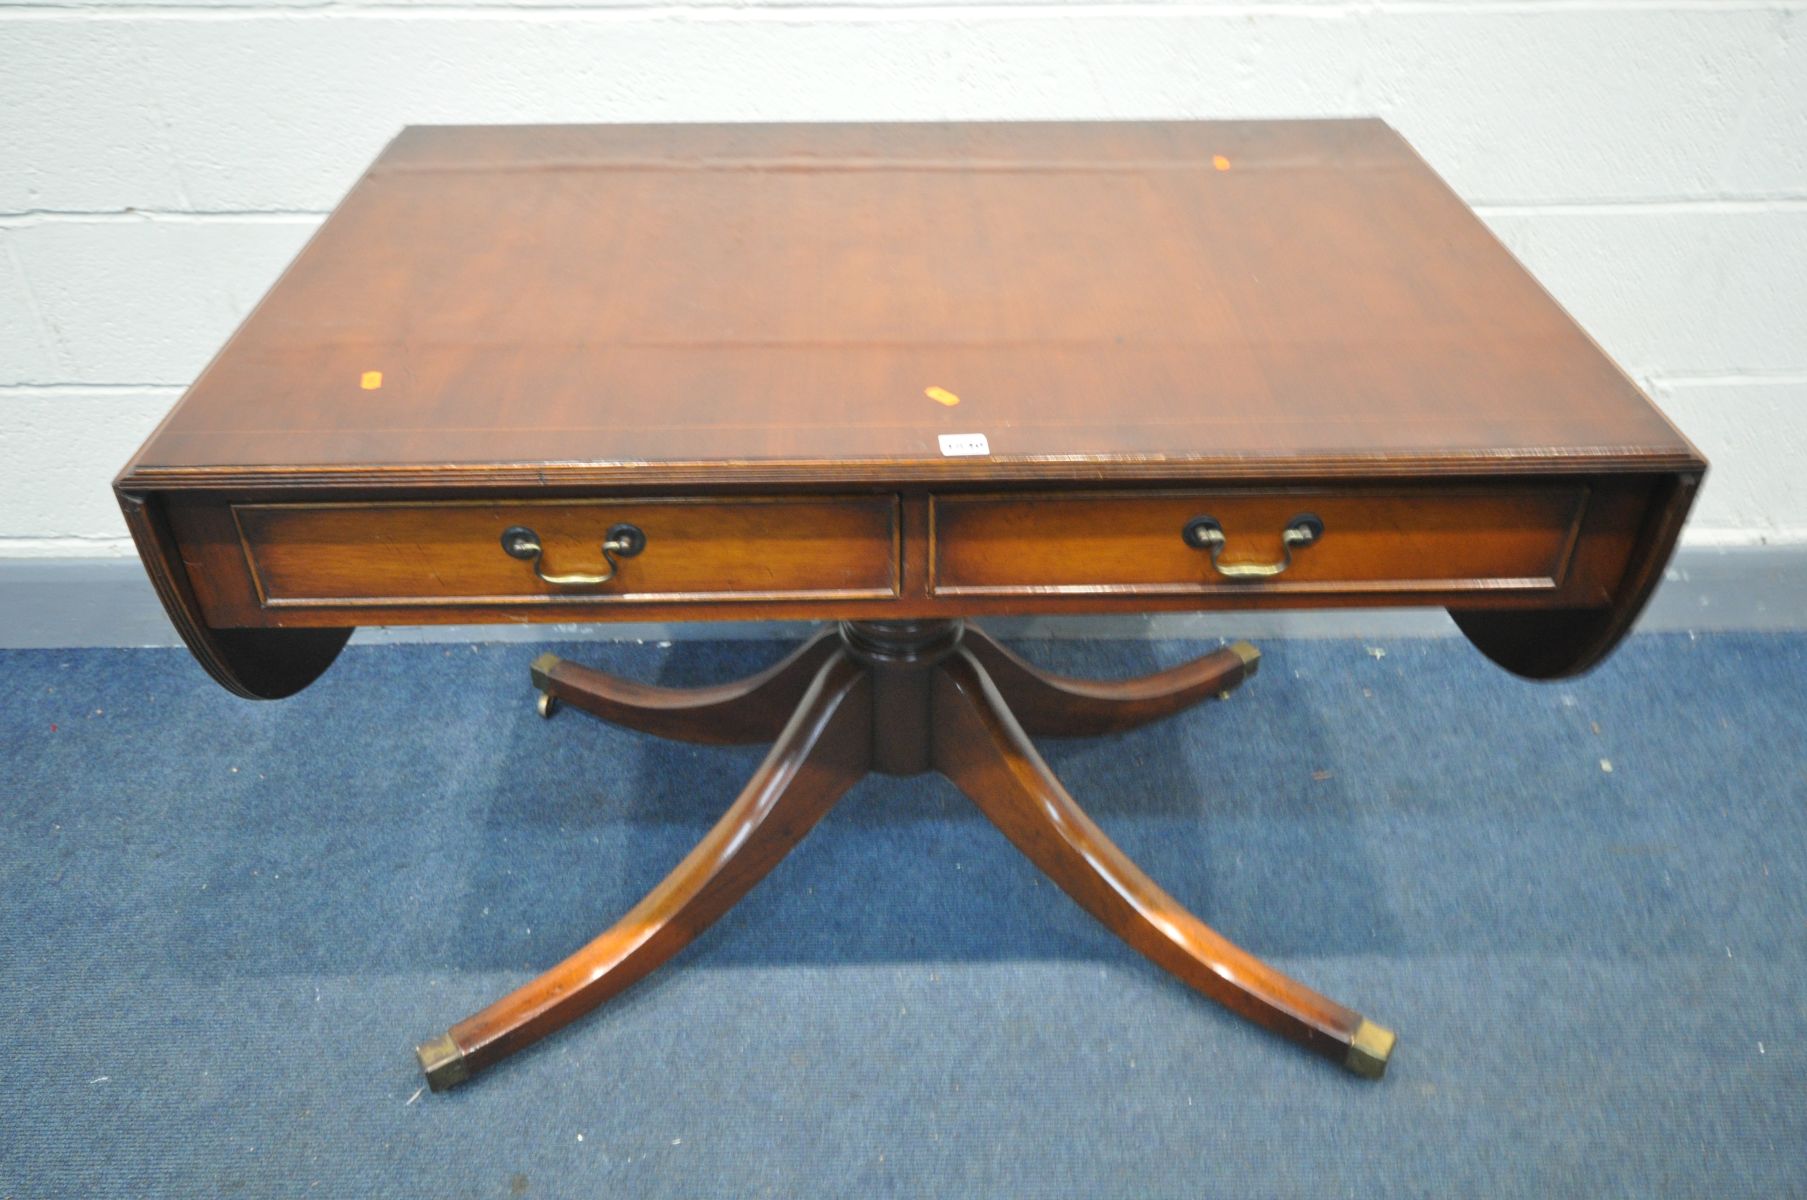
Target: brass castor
point(546, 705)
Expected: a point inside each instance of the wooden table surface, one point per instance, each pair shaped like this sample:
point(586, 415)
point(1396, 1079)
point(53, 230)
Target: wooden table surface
point(755, 303)
point(747, 344)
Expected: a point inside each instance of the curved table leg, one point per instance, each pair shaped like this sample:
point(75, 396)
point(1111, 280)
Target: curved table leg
point(982, 748)
point(748, 710)
point(1056, 705)
point(821, 752)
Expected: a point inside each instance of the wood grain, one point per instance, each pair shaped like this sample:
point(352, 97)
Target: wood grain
point(1562, 642)
point(842, 547)
point(982, 748)
point(1431, 539)
point(904, 697)
point(1044, 702)
point(748, 340)
point(257, 664)
point(639, 306)
point(822, 751)
point(1261, 315)
point(747, 710)
point(1072, 563)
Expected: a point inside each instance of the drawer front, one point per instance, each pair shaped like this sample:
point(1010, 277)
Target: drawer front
point(452, 553)
point(1401, 540)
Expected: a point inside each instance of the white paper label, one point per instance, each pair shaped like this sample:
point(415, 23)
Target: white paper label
point(964, 445)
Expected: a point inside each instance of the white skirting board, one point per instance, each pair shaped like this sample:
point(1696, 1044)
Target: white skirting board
point(108, 602)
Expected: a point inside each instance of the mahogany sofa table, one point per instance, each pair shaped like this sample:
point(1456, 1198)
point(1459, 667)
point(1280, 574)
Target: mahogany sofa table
point(895, 377)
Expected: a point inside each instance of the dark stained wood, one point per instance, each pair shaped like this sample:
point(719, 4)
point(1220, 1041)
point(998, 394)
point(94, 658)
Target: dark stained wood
point(658, 306)
point(1045, 703)
point(902, 656)
point(904, 697)
point(822, 751)
point(1438, 539)
point(1408, 547)
point(828, 548)
point(748, 710)
point(980, 746)
point(1558, 643)
point(258, 664)
point(591, 318)
point(748, 340)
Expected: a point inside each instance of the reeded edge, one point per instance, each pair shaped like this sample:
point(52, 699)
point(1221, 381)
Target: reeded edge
point(1635, 459)
point(443, 1062)
point(1370, 1049)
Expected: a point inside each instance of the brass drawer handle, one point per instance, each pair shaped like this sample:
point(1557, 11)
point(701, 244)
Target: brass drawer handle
point(1206, 533)
point(518, 541)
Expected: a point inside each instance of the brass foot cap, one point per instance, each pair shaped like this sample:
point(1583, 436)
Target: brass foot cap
point(1369, 1050)
point(1251, 658)
point(443, 1062)
point(541, 670)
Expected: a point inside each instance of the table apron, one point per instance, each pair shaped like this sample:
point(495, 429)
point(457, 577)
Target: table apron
point(266, 562)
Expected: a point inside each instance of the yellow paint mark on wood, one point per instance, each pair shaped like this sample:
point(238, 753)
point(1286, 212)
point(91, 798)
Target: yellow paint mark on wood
point(941, 396)
point(370, 381)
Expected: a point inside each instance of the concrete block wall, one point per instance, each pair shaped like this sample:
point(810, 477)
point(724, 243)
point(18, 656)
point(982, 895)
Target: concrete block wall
point(160, 162)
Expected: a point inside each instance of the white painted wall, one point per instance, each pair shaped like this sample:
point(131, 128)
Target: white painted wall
point(159, 162)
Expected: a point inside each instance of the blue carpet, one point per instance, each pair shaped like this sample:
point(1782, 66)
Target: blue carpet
point(225, 924)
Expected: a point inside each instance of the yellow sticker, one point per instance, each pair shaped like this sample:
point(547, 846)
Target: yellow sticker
point(941, 396)
point(1220, 162)
point(370, 381)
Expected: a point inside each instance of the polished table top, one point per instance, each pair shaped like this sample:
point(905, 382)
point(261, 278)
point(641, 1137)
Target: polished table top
point(663, 304)
point(903, 371)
